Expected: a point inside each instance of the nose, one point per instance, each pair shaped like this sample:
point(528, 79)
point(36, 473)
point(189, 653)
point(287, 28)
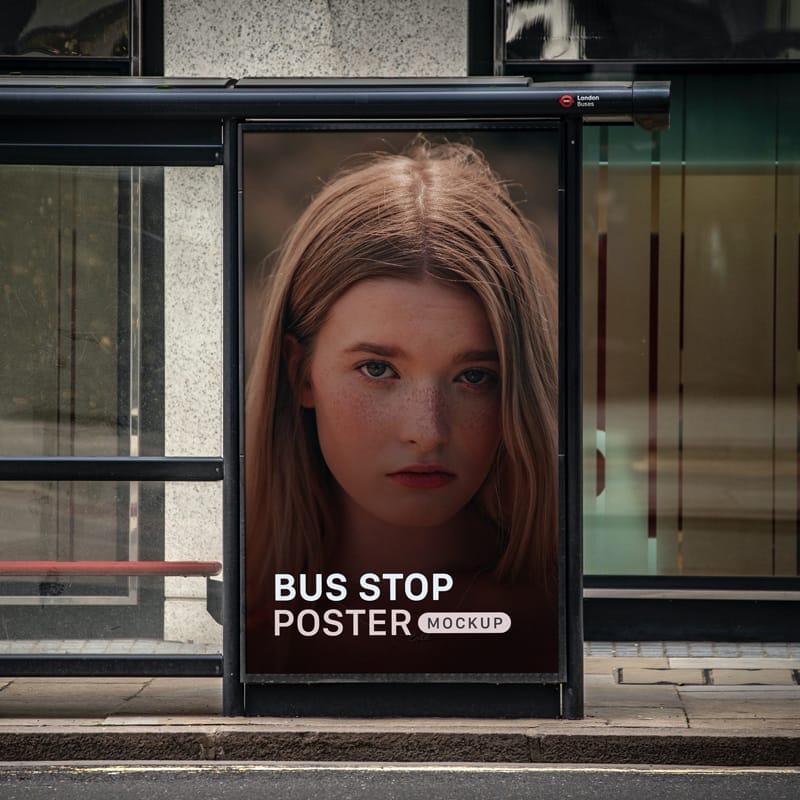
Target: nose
point(425, 421)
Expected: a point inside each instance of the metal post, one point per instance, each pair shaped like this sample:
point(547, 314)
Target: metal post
point(232, 689)
point(570, 384)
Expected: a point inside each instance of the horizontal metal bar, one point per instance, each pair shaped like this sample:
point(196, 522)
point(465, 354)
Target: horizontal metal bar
point(85, 666)
point(184, 568)
point(363, 699)
point(735, 583)
point(135, 142)
point(316, 99)
point(133, 155)
point(117, 468)
point(690, 594)
point(625, 619)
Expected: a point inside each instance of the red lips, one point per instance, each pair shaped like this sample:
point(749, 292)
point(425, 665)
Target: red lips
point(422, 476)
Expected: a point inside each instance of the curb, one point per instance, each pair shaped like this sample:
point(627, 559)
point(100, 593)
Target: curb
point(711, 748)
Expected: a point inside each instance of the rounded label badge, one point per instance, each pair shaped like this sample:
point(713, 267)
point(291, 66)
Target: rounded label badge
point(566, 100)
point(465, 622)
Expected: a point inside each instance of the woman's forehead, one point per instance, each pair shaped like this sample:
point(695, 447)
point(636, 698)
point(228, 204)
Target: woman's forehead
point(395, 312)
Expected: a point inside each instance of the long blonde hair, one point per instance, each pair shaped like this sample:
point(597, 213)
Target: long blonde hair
point(437, 211)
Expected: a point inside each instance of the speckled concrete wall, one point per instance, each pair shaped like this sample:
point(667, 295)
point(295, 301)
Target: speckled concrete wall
point(374, 38)
point(193, 386)
point(348, 38)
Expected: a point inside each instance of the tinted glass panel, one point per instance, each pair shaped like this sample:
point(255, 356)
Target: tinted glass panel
point(691, 335)
point(72, 28)
point(111, 312)
point(652, 30)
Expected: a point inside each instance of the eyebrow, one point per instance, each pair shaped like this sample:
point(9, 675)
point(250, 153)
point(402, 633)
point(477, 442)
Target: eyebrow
point(387, 351)
point(477, 355)
point(377, 349)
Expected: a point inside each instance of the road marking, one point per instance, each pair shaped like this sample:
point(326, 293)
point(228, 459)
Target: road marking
point(119, 769)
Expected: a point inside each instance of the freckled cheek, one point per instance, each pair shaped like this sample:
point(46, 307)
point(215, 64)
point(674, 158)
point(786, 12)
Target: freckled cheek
point(353, 409)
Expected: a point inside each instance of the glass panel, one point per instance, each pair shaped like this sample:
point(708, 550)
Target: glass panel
point(111, 323)
point(56, 609)
point(691, 335)
point(89, 28)
point(112, 332)
point(651, 30)
point(59, 373)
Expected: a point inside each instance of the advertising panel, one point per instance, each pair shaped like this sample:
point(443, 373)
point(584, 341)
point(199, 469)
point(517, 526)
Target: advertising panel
point(401, 404)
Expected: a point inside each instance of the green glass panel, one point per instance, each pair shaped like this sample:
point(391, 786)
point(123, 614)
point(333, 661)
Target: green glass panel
point(693, 338)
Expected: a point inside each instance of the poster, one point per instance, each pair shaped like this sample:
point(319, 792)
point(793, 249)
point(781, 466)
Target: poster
point(401, 404)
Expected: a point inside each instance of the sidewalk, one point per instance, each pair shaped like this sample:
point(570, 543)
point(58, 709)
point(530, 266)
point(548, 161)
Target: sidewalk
point(671, 702)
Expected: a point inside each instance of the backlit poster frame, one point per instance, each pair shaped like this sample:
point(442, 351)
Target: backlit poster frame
point(309, 620)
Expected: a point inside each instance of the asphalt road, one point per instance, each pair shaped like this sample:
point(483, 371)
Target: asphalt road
point(80, 781)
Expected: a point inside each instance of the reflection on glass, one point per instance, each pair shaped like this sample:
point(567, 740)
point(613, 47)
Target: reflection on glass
point(64, 325)
point(88, 28)
point(67, 521)
point(645, 30)
point(98, 522)
point(110, 318)
point(691, 344)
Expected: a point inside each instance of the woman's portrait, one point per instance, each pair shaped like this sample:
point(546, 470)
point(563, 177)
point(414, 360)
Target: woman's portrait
point(401, 419)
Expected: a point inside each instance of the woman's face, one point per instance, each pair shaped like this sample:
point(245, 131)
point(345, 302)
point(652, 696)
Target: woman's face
point(404, 379)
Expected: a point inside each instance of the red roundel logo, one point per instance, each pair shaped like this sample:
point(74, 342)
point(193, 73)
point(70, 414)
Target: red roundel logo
point(566, 100)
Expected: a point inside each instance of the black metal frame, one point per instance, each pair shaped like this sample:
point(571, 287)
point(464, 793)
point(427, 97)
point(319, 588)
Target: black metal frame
point(480, 42)
point(108, 666)
point(199, 99)
point(691, 607)
point(196, 122)
point(151, 56)
point(571, 425)
point(691, 619)
point(111, 468)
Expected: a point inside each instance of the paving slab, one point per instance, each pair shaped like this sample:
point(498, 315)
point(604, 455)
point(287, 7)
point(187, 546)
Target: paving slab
point(677, 662)
point(162, 695)
point(596, 665)
point(722, 725)
point(632, 695)
point(752, 677)
point(733, 690)
point(752, 706)
point(606, 679)
point(639, 717)
point(676, 677)
point(65, 697)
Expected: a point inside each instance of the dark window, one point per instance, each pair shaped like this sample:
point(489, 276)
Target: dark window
point(651, 30)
